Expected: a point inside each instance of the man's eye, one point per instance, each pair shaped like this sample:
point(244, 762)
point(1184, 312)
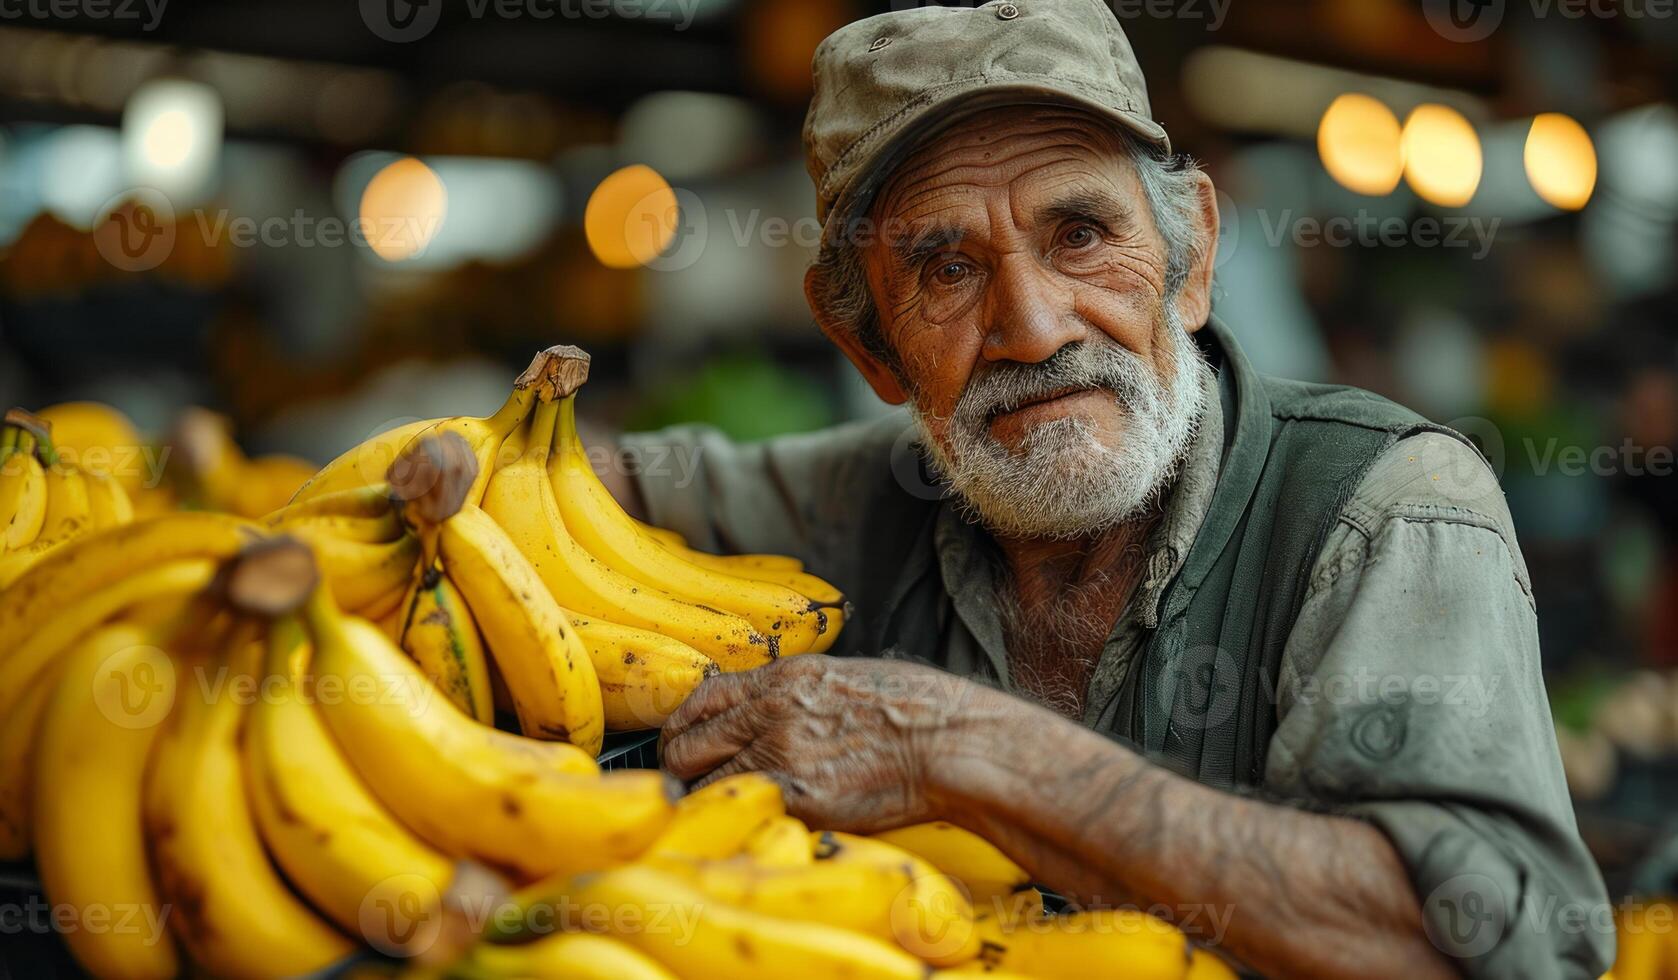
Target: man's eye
point(950, 273)
point(1079, 236)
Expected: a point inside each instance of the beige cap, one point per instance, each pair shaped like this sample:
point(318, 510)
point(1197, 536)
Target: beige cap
point(884, 83)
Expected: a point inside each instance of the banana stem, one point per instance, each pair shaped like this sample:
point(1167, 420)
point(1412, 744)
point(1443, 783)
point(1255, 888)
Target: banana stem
point(8, 442)
point(30, 425)
point(544, 426)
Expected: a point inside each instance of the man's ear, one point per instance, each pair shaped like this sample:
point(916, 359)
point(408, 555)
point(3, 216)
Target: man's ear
point(1194, 300)
point(876, 372)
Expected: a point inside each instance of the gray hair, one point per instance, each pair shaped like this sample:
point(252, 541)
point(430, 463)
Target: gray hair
point(1170, 182)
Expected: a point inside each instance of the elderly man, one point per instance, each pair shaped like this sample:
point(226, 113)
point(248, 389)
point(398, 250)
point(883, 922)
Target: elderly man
point(1258, 654)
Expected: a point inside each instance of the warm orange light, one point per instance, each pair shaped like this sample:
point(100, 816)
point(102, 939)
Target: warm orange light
point(631, 217)
point(1359, 142)
point(1561, 161)
point(1442, 160)
point(402, 208)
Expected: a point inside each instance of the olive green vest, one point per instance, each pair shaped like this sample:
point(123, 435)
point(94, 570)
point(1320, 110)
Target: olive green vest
point(1201, 699)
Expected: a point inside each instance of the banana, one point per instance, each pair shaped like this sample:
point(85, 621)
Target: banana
point(62, 579)
point(335, 842)
point(14, 564)
point(930, 918)
point(1206, 965)
point(363, 576)
point(437, 629)
point(565, 956)
point(375, 529)
point(698, 938)
point(534, 808)
point(89, 766)
point(605, 531)
point(102, 439)
point(548, 670)
point(18, 736)
point(981, 868)
point(232, 911)
point(782, 842)
point(372, 500)
point(644, 676)
point(268, 482)
point(521, 500)
point(1096, 943)
point(23, 494)
point(25, 662)
point(68, 512)
point(108, 502)
point(367, 463)
point(715, 822)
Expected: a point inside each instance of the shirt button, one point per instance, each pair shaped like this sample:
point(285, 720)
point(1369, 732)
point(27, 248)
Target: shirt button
point(1007, 12)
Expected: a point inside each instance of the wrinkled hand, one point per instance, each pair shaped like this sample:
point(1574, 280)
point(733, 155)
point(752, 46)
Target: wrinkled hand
point(849, 740)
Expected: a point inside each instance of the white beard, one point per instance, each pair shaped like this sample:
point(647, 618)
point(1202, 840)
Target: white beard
point(1062, 482)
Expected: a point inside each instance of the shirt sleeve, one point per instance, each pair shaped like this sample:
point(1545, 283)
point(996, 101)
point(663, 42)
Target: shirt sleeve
point(1412, 697)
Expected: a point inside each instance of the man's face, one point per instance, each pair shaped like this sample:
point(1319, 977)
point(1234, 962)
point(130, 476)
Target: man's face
point(1022, 287)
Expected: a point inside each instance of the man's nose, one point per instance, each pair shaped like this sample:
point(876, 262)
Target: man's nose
point(1030, 313)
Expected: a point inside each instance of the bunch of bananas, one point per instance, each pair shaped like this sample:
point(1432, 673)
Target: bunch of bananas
point(46, 500)
point(734, 887)
point(535, 585)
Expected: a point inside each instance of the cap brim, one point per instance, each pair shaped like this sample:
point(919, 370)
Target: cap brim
point(877, 163)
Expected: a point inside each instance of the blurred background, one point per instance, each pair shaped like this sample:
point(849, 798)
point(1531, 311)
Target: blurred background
point(324, 219)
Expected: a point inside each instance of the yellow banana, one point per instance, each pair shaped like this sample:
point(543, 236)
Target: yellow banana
point(23, 495)
point(1642, 952)
point(521, 500)
point(548, 670)
point(103, 440)
point(716, 821)
point(90, 763)
point(437, 629)
point(25, 662)
point(605, 531)
point(68, 512)
point(372, 500)
point(18, 734)
point(930, 918)
point(1206, 965)
point(108, 502)
point(1097, 943)
point(534, 808)
point(268, 482)
point(984, 870)
point(62, 579)
point(565, 956)
point(376, 529)
point(644, 676)
point(782, 842)
point(232, 911)
point(698, 938)
point(367, 463)
point(335, 842)
point(14, 564)
point(362, 466)
point(362, 575)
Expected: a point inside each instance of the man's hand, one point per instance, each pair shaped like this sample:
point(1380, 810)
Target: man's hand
point(849, 740)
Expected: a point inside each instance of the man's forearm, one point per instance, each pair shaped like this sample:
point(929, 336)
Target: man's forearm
point(1302, 894)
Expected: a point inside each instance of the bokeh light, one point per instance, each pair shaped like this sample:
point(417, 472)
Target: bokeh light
point(631, 217)
point(402, 208)
point(1561, 161)
point(172, 134)
point(1442, 158)
point(1359, 141)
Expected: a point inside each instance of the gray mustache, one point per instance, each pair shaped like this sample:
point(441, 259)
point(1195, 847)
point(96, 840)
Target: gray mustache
point(1109, 368)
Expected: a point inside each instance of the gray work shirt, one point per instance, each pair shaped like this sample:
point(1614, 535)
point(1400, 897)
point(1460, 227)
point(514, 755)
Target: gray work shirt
point(1419, 597)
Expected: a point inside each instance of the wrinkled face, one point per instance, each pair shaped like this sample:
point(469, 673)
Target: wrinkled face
point(1021, 283)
